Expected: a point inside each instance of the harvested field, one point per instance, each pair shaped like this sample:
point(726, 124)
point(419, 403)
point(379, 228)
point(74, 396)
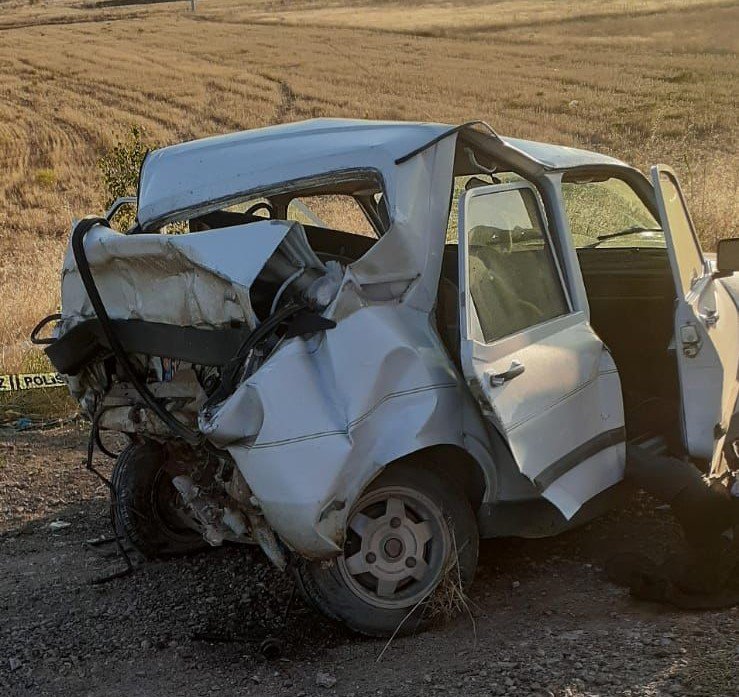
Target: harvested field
point(645, 80)
point(74, 77)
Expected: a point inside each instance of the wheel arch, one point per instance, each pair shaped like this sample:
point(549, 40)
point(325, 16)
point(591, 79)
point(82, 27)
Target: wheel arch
point(471, 468)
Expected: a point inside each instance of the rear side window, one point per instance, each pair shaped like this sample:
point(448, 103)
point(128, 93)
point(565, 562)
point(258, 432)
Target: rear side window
point(513, 279)
point(333, 211)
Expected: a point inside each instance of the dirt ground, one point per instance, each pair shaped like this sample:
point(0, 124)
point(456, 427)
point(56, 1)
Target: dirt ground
point(544, 620)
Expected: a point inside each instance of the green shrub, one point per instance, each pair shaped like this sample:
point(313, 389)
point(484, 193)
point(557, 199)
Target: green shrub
point(119, 168)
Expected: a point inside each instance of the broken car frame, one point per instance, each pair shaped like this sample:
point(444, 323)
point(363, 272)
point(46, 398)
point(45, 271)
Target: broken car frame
point(367, 407)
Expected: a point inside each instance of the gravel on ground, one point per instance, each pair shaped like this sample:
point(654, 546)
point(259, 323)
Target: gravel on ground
point(543, 619)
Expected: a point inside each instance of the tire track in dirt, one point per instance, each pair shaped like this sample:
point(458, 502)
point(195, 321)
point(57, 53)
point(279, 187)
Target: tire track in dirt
point(286, 107)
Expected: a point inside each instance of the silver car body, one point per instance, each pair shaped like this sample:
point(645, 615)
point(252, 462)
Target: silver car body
point(325, 414)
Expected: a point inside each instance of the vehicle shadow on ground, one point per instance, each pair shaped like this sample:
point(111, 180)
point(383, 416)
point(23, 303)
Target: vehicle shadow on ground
point(231, 591)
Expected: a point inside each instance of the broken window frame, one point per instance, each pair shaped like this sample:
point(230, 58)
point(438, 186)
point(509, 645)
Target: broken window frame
point(281, 193)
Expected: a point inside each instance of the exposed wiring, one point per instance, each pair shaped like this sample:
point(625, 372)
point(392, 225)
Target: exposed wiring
point(91, 442)
point(292, 277)
point(35, 331)
point(231, 370)
point(99, 442)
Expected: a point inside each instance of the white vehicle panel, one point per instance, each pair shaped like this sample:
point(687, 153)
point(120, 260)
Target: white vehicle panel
point(706, 325)
point(201, 279)
point(563, 406)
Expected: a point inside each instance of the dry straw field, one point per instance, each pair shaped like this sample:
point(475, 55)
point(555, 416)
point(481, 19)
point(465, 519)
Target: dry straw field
point(646, 80)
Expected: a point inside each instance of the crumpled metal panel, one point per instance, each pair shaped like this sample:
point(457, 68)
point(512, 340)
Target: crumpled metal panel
point(201, 279)
point(411, 251)
point(183, 177)
point(336, 409)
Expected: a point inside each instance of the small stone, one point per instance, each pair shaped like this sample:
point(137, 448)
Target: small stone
point(573, 635)
point(14, 664)
point(55, 525)
point(145, 644)
point(516, 584)
point(427, 678)
point(325, 680)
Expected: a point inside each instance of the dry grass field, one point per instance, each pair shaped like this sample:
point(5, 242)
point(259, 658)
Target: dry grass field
point(647, 80)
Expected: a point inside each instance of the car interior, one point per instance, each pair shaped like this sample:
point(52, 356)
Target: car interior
point(631, 293)
point(630, 290)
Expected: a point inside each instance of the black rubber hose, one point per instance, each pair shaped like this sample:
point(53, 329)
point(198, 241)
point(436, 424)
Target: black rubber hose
point(78, 249)
point(230, 372)
point(35, 331)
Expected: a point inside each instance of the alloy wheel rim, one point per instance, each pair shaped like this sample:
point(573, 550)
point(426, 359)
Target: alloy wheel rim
point(397, 546)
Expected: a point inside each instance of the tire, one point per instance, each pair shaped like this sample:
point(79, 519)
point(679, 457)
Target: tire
point(144, 505)
point(404, 534)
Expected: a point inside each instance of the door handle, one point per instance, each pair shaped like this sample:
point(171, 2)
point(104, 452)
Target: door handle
point(516, 369)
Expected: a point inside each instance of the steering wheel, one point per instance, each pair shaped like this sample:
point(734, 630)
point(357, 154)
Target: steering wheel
point(262, 205)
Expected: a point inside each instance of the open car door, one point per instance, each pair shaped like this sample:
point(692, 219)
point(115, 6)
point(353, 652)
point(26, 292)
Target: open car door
point(706, 325)
point(547, 383)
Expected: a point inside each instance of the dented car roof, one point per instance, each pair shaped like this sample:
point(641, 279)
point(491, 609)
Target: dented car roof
point(181, 178)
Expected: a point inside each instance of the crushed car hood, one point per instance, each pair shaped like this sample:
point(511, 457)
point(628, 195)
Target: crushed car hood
point(201, 279)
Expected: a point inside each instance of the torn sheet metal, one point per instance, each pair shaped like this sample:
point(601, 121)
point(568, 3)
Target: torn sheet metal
point(328, 413)
point(200, 279)
point(407, 260)
point(373, 389)
point(602, 470)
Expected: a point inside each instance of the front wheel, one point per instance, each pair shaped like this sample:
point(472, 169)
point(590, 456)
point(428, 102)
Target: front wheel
point(147, 509)
point(408, 533)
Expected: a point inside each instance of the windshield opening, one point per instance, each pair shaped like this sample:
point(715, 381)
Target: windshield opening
point(271, 202)
point(609, 213)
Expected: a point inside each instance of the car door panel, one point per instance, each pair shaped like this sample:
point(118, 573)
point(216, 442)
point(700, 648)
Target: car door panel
point(706, 325)
point(563, 410)
point(561, 413)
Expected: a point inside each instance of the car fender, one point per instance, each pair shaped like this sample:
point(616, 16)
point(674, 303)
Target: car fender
point(334, 410)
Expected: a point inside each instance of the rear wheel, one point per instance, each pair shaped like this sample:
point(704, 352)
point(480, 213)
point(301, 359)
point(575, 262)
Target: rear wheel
point(409, 532)
point(146, 506)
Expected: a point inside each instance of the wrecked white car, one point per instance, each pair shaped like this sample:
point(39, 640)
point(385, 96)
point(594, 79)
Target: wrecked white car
point(377, 342)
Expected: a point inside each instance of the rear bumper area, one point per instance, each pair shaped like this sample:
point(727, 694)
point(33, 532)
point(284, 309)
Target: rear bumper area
point(86, 342)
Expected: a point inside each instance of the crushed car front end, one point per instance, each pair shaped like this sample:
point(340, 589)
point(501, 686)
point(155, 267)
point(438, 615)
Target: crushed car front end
point(276, 372)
